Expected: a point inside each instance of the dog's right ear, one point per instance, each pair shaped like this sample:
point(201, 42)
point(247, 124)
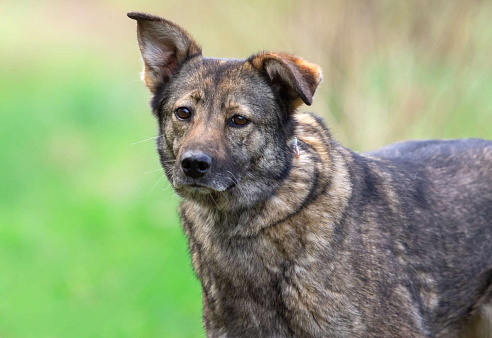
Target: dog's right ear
point(164, 47)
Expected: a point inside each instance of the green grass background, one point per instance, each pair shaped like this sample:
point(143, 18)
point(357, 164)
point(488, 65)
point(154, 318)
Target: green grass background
point(90, 244)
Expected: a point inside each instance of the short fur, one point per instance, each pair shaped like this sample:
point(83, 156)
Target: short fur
point(331, 243)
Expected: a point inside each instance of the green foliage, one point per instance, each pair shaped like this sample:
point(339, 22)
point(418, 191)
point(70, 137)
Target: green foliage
point(89, 247)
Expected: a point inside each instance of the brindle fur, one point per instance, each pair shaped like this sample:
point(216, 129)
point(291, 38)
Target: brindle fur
point(393, 243)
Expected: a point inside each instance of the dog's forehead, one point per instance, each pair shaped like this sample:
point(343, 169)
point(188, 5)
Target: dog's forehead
point(216, 67)
point(220, 76)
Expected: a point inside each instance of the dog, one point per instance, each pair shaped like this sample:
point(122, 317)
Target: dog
point(293, 235)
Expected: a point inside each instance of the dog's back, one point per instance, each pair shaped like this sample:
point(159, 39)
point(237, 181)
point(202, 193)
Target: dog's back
point(440, 195)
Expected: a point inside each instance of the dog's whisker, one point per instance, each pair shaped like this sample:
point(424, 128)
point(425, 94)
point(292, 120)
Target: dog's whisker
point(147, 139)
point(152, 171)
point(225, 196)
point(251, 175)
point(167, 187)
point(171, 160)
point(231, 179)
point(212, 198)
point(237, 180)
point(156, 183)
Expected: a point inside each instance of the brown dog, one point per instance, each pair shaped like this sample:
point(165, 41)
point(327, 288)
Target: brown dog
point(292, 234)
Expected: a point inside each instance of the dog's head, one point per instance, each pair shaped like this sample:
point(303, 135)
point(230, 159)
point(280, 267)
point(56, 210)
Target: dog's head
point(225, 125)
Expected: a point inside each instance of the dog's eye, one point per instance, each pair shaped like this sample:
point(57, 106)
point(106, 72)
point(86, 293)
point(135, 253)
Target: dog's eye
point(183, 113)
point(238, 121)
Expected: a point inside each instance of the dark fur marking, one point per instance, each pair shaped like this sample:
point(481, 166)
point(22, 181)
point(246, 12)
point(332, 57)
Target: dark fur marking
point(314, 192)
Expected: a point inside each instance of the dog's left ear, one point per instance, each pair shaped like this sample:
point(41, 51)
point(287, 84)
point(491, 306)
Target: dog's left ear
point(164, 47)
point(298, 79)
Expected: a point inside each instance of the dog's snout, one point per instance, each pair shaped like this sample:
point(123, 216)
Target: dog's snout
point(195, 164)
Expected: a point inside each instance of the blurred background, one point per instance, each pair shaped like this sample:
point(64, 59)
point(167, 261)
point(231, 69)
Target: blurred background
point(90, 243)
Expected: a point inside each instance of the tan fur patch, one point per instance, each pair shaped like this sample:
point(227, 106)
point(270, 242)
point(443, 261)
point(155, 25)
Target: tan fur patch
point(480, 326)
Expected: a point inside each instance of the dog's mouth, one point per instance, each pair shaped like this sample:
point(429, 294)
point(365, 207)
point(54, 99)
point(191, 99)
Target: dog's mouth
point(198, 187)
point(214, 183)
point(194, 188)
point(204, 188)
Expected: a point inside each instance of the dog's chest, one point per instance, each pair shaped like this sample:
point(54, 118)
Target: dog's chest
point(272, 283)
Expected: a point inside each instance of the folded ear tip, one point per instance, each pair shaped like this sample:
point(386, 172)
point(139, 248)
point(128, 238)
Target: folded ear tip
point(142, 16)
point(308, 100)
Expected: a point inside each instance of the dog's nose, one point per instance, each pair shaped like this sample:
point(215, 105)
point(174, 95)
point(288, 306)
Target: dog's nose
point(195, 164)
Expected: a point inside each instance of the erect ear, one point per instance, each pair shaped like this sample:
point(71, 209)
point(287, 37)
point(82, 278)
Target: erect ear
point(164, 47)
point(298, 79)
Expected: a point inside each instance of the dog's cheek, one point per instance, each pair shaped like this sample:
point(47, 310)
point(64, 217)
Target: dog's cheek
point(176, 134)
point(235, 158)
point(166, 143)
point(252, 144)
point(254, 141)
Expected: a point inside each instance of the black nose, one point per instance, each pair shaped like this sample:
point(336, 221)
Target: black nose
point(195, 164)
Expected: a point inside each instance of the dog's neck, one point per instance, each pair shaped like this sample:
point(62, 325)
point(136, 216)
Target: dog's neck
point(231, 251)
